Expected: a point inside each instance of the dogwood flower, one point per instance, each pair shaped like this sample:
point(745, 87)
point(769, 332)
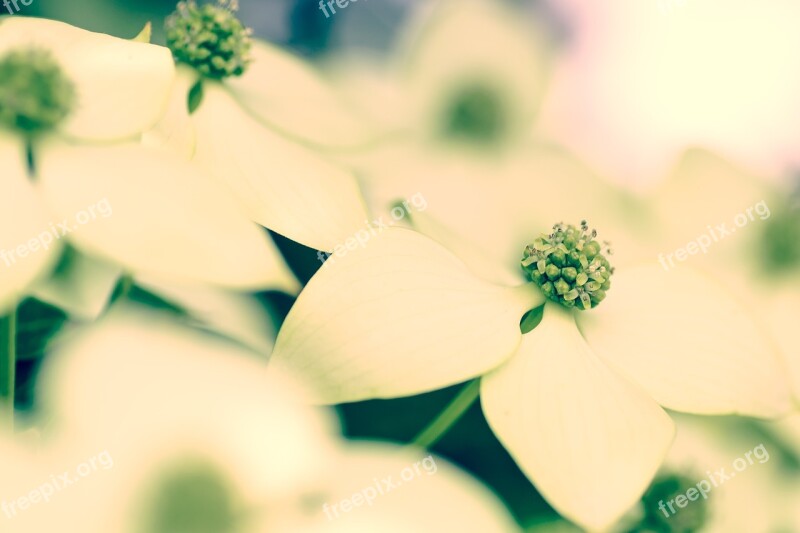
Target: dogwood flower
point(449, 119)
point(72, 105)
point(747, 237)
point(642, 81)
point(483, 97)
point(214, 441)
point(244, 112)
point(576, 400)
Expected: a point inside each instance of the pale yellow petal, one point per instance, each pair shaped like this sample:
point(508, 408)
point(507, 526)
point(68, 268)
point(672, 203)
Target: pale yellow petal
point(589, 439)
point(398, 316)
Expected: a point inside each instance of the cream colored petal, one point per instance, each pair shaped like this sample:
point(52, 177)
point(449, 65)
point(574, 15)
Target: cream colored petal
point(705, 192)
point(175, 130)
point(589, 439)
point(28, 250)
point(398, 316)
point(151, 212)
point(501, 203)
point(370, 84)
point(122, 86)
point(238, 316)
point(389, 488)
point(690, 344)
point(780, 311)
point(288, 95)
point(284, 186)
point(479, 262)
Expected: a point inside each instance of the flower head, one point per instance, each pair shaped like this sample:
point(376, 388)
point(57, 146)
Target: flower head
point(209, 38)
point(568, 266)
point(36, 95)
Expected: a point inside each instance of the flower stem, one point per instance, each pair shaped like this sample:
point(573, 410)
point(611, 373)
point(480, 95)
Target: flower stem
point(451, 414)
point(8, 362)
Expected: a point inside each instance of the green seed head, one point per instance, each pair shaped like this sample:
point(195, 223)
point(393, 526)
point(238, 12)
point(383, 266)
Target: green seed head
point(35, 95)
point(209, 38)
point(568, 266)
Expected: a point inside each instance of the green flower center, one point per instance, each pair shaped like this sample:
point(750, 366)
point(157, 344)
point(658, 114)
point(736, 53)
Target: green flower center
point(35, 95)
point(192, 497)
point(780, 242)
point(476, 113)
point(568, 266)
point(663, 513)
point(209, 38)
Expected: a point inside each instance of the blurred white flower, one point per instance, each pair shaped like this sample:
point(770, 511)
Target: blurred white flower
point(467, 73)
point(759, 261)
point(738, 479)
point(575, 400)
point(202, 435)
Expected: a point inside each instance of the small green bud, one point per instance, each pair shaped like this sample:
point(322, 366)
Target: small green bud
point(209, 38)
point(35, 95)
point(569, 267)
point(591, 250)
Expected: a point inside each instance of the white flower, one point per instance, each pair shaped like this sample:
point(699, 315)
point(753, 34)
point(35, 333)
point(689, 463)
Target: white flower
point(255, 111)
point(178, 410)
point(576, 400)
point(164, 217)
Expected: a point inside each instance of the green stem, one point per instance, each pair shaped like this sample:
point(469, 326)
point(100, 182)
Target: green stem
point(451, 414)
point(8, 362)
